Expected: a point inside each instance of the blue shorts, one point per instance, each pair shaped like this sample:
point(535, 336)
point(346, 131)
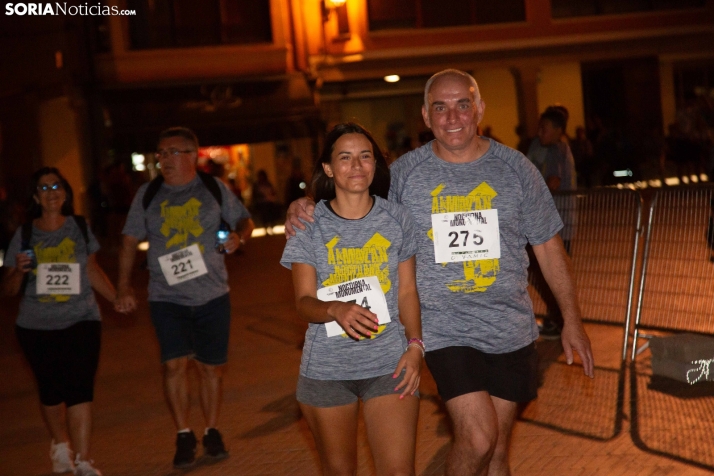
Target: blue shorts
point(197, 331)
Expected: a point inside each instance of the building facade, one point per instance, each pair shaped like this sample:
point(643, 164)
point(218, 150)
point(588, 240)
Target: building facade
point(82, 92)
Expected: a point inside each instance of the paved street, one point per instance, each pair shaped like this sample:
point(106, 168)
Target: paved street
point(570, 430)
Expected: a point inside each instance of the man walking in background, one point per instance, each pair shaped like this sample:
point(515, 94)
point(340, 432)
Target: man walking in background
point(187, 218)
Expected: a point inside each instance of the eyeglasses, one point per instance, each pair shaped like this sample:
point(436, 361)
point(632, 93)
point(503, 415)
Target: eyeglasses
point(47, 187)
point(171, 152)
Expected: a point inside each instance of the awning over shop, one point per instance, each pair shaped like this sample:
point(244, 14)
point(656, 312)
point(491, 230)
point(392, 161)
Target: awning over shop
point(241, 111)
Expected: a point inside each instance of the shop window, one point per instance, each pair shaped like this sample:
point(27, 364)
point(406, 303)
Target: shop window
point(405, 14)
point(579, 8)
point(185, 23)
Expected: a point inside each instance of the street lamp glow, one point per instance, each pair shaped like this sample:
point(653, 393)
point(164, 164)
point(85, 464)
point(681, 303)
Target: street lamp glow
point(137, 161)
point(622, 173)
point(392, 78)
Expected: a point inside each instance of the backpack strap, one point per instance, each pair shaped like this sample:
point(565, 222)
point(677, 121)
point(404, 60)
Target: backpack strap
point(207, 180)
point(210, 182)
point(151, 191)
point(25, 234)
point(82, 224)
point(212, 185)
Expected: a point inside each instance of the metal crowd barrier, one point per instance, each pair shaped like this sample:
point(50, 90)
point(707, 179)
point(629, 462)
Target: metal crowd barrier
point(602, 231)
point(677, 283)
point(676, 294)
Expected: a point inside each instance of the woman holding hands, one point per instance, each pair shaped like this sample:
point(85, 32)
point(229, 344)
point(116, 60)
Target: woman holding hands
point(355, 284)
point(51, 259)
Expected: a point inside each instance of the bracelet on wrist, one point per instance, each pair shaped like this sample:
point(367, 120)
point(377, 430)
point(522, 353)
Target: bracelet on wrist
point(416, 340)
point(415, 344)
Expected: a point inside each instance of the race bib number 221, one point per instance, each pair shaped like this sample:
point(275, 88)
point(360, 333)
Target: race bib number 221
point(183, 265)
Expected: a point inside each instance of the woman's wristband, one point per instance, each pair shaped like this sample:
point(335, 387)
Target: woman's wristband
point(415, 344)
point(416, 340)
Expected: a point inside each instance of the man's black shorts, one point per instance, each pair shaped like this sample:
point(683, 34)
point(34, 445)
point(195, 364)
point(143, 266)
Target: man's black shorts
point(512, 376)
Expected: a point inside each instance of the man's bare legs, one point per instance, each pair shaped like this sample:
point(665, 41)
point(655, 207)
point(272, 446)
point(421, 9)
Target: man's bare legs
point(475, 434)
point(176, 388)
point(211, 391)
point(506, 413)
point(482, 429)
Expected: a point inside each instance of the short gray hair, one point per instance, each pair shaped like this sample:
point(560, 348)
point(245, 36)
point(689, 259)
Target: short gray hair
point(183, 132)
point(450, 72)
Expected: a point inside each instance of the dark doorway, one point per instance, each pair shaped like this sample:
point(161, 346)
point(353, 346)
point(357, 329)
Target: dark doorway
point(623, 111)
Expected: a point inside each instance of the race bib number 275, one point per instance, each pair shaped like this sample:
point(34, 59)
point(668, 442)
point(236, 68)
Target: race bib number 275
point(466, 236)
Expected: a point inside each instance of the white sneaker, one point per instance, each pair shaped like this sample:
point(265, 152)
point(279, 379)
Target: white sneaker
point(85, 468)
point(61, 456)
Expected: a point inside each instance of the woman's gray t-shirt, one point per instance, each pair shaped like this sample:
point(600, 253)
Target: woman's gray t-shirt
point(341, 250)
point(55, 311)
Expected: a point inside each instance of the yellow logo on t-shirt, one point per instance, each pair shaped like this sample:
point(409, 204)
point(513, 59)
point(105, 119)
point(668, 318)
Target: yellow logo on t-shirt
point(62, 253)
point(478, 275)
point(352, 263)
point(183, 221)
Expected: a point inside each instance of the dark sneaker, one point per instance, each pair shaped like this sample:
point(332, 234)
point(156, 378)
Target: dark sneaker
point(213, 444)
point(550, 330)
point(185, 450)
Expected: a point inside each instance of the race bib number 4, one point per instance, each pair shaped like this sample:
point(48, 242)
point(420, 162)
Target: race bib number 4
point(366, 292)
point(58, 278)
point(183, 265)
point(466, 236)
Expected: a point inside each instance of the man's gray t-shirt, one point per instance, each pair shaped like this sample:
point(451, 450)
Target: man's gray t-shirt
point(557, 160)
point(56, 311)
point(482, 304)
point(176, 218)
point(341, 250)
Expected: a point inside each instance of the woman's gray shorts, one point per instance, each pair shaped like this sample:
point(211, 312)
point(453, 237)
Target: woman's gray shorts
point(333, 393)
